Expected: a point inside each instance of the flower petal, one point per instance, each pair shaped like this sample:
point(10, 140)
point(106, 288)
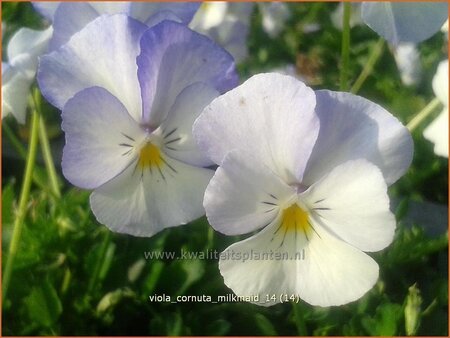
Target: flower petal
point(174, 57)
point(321, 270)
point(145, 12)
point(15, 90)
point(334, 272)
point(440, 82)
point(25, 46)
point(437, 132)
point(143, 203)
point(102, 54)
point(178, 141)
point(100, 137)
point(270, 116)
point(244, 195)
point(70, 18)
point(46, 8)
point(352, 127)
point(352, 202)
point(405, 22)
point(257, 267)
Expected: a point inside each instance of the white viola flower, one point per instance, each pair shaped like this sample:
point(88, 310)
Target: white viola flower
point(310, 171)
point(18, 73)
point(274, 17)
point(437, 131)
point(407, 58)
point(405, 21)
point(227, 23)
point(129, 96)
point(70, 17)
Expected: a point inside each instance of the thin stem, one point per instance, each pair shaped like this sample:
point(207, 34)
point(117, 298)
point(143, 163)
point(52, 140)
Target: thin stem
point(423, 114)
point(48, 159)
point(24, 196)
point(14, 141)
point(345, 47)
point(23, 154)
point(368, 67)
point(45, 147)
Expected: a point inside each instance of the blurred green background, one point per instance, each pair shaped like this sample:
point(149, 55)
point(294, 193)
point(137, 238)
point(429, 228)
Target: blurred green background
point(72, 276)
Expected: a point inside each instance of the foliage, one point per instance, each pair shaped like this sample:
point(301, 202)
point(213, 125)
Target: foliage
point(73, 277)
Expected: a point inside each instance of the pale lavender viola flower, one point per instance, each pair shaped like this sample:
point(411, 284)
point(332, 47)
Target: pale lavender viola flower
point(226, 23)
point(437, 131)
point(70, 17)
point(129, 96)
point(18, 73)
point(405, 21)
point(310, 171)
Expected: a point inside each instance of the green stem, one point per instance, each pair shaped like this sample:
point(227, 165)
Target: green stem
point(345, 47)
point(299, 320)
point(14, 141)
point(423, 114)
point(24, 196)
point(45, 146)
point(23, 154)
point(96, 273)
point(368, 67)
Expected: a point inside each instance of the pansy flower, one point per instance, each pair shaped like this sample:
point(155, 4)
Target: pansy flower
point(226, 23)
point(129, 96)
point(309, 172)
point(437, 131)
point(18, 73)
point(70, 17)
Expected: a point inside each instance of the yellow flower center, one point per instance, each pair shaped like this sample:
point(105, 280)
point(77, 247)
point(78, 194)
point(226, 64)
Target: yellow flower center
point(295, 218)
point(150, 156)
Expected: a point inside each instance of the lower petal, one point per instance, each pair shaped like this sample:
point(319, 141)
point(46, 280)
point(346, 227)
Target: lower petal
point(274, 265)
point(334, 272)
point(141, 203)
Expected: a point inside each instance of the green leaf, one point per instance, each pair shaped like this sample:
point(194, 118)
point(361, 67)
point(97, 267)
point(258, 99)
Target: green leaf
point(264, 325)
point(385, 322)
point(219, 327)
point(43, 304)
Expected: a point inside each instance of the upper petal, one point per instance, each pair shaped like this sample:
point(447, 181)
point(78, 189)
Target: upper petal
point(270, 116)
point(174, 57)
point(405, 22)
point(352, 203)
point(244, 195)
point(352, 127)
point(69, 18)
point(145, 12)
point(102, 54)
point(100, 138)
point(141, 203)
